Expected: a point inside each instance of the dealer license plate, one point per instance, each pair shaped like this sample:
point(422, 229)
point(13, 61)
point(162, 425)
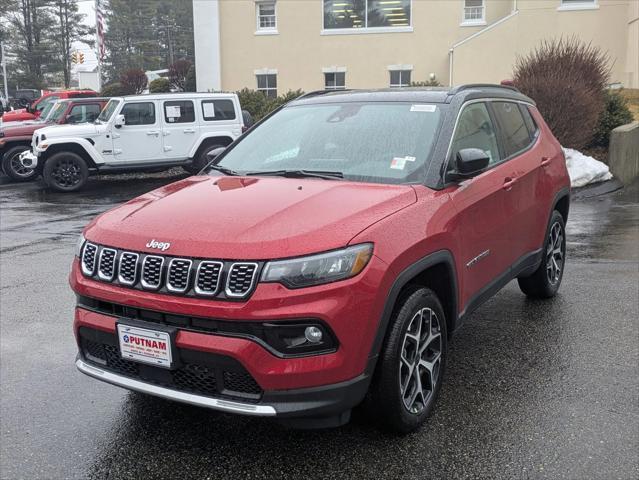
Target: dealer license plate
point(146, 346)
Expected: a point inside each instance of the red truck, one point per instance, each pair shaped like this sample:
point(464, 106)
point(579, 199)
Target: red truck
point(35, 109)
point(16, 139)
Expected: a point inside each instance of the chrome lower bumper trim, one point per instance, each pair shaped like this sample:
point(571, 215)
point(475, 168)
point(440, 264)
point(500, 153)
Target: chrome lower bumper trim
point(199, 400)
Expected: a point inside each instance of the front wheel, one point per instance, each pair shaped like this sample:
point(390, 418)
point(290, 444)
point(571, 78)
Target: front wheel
point(13, 168)
point(545, 282)
point(65, 172)
point(412, 363)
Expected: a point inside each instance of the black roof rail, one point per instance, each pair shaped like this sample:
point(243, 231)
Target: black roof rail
point(468, 86)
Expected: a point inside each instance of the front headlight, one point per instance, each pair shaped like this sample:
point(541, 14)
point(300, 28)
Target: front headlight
point(317, 269)
point(79, 245)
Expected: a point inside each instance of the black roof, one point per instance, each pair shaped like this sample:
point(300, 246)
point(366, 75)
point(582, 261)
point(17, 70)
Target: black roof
point(413, 94)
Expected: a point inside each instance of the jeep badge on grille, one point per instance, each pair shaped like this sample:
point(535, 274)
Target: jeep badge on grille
point(164, 246)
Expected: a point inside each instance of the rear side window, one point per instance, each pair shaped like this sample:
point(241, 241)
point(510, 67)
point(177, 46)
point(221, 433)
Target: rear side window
point(475, 130)
point(514, 132)
point(529, 121)
point(139, 113)
point(218, 110)
point(179, 111)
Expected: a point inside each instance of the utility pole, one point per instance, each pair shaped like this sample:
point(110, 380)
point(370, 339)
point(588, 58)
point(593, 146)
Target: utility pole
point(4, 71)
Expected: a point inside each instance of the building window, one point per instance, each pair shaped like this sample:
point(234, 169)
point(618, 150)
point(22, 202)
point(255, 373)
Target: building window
point(578, 5)
point(353, 14)
point(334, 80)
point(474, 12)
point(267, 83)
point(400, 78)
point(266, 16)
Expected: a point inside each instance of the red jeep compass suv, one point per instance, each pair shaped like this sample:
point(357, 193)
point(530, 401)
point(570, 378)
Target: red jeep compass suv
point(326, 256)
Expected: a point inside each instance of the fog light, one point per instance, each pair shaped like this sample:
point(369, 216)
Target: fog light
point(313, 334)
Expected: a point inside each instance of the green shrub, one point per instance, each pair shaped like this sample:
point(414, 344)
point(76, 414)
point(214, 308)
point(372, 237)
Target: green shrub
point(615, 114)
point(430, 83)
point(134, 81)
point(113, 90)
point(259, 105)
point(160, 85)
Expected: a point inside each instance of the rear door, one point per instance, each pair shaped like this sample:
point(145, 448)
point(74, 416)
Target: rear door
point(180, 128)
point(524, 159)
point(140, 139)
point(220, 115)
point(483, 228)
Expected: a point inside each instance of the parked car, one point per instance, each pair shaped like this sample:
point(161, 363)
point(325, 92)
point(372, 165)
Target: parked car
point(34, 110)
point(16, 138)
point(328, 253)
point(137, 133)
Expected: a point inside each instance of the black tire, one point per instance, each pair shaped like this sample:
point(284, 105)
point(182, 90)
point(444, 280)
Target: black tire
point(65, 172)
point(395, 381)
point(12, 167)
point(545, 281)
point(201, 160)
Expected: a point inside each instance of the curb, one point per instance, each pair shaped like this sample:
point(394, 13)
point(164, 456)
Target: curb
point(596, 189)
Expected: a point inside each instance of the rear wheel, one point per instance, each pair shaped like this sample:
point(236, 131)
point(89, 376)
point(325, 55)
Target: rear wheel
point(12, 166)
point(545, 282)
point(412, 363)
point(201, 160)
point(65, 172)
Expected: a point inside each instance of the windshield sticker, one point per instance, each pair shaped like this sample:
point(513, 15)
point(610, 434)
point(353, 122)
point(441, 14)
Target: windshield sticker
point(398, 163)
point(423, 108)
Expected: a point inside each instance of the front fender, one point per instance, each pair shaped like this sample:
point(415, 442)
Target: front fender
point(86, 145)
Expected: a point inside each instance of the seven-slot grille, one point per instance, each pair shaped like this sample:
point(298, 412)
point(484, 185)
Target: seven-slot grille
point(179, 275)
point(240, 279)
point(210, 278)
point(106, 264)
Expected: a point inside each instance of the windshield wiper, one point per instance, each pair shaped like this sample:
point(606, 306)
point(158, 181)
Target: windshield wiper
point(224, 170)
point(298, 174)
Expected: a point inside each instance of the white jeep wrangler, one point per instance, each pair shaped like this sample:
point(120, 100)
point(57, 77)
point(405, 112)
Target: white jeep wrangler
point(137, 133)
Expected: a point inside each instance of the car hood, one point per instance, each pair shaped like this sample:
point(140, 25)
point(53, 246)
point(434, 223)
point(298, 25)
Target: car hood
point(21, 129)
point(80, 130)
point(249, 218)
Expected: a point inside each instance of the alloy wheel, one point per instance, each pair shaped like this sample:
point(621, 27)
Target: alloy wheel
point(19, 169)
point(420, 360)
point(66, 173)
point(555, 253)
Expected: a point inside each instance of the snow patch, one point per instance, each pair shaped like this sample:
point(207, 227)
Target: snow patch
point(584, 170)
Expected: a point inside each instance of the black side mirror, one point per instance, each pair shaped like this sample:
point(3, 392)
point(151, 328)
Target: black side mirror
point(470, 162)
point(214, 153)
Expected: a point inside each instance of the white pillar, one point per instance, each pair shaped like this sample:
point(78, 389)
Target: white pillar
point(206, 37)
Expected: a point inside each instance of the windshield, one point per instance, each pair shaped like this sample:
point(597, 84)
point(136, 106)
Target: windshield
point(46, 111)
point(379, 142)
point(57, 112)
point(105, 115)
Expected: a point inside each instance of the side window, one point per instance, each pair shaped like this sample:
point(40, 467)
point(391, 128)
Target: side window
point(83, 113)
point(179, 111)
point(529, 121)
point(139, 113)
point(515, 135)
point(218, 110)
point(475, 130)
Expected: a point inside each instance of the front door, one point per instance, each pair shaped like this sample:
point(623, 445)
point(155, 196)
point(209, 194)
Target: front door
point(180, 130)
point(140, 139)
point(482, 226)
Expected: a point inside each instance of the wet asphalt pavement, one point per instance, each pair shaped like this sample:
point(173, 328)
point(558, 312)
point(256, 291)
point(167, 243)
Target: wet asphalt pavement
point(534, 389)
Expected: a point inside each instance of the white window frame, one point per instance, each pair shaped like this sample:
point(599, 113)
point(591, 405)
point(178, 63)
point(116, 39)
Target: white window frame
point(364, 30)
point(326, 70)
point(265, 71)
point(473, 22)
point(580, 5)
point(399, 68)
point(259, 30)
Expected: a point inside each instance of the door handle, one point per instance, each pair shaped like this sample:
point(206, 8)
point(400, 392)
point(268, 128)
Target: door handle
point(153, 132)
point(508, 183)
point(188, 130)
point(545, 161)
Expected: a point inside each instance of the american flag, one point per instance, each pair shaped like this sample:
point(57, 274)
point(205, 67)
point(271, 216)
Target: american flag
point(99, 20)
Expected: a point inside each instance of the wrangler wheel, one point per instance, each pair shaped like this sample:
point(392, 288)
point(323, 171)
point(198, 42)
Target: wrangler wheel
point(65, 172)
point(412, 362)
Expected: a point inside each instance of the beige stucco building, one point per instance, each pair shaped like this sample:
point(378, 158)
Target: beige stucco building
point(280, 45)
